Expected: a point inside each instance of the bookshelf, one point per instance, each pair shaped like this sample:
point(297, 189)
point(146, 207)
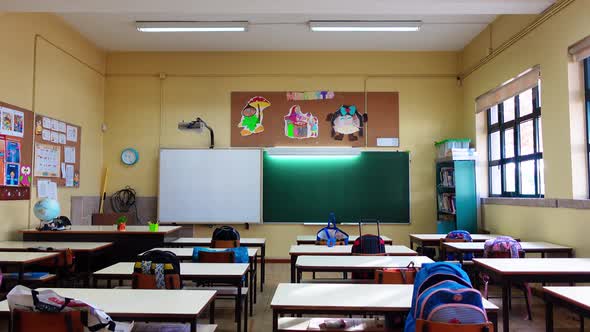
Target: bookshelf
point(456, 195)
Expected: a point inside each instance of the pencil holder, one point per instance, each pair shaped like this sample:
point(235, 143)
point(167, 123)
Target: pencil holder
point(154, 227)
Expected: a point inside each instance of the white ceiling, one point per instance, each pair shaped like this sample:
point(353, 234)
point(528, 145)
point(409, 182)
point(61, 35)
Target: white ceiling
point(278, 24)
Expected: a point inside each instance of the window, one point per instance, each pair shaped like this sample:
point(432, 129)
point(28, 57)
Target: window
point(515, 150)
point(587, 88)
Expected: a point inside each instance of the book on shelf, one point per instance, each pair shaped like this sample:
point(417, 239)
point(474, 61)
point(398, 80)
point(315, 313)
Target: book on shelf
point(446, 203)
point(447, 177)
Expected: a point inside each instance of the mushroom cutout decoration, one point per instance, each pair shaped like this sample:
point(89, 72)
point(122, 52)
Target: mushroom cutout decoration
point(252, 116)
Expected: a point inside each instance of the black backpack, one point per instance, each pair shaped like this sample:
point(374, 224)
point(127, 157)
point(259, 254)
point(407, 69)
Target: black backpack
point(144, 270)
point(369, 244)
point(225, 233)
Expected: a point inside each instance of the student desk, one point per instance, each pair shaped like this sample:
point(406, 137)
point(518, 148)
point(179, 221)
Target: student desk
point(23, 259)
point(528, 247)
point(576, 299)
point(253, 242)
point(346, 299)
point(127, 244)
point(155, 305)
point(508, 271)
point(89, 250)
point(433, 240)
point(313, 250)
point(226, 273)
point(310, 239)
point(354, 263)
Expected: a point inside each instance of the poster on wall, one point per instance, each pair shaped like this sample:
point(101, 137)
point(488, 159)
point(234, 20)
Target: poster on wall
point(47, 160)
point(347, 121)
point(252, 116)
point(13, 122)
point(301, 125)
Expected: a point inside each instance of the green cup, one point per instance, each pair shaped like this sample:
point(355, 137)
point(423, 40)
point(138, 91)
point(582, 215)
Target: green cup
point(154, 227)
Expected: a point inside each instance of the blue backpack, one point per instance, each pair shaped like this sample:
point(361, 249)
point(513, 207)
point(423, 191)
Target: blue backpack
point(331, 235)
point(459, 235)
point(443, 293)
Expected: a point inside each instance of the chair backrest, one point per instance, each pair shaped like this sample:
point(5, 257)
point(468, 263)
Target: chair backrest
point(225, 243)
point(216, 257)
point(27, 321)
point(396, 276)
point(426, 326)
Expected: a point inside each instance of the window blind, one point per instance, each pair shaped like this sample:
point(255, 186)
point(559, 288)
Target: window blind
point(525, 81)
point(580, 50)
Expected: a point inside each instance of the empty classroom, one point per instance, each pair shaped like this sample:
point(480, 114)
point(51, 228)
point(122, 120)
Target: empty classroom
point(254, 166)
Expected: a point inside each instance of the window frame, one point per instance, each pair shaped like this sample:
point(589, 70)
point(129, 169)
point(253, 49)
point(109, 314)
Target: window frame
point(517, 159)
point(586, 67)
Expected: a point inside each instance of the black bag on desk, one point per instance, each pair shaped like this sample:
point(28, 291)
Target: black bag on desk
point(225, 233)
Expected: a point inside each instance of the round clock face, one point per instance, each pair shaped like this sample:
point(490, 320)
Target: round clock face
point(129, 156)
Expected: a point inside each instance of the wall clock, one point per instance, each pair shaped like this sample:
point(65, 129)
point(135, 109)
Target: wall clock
point(129, 156)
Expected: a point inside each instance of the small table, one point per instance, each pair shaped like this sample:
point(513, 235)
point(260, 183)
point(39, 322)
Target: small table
point(254, 242)
point(88, 249)
point(354, 263)
point(576, 299)
point(311, 239)
point(157, 305)
point(23, 259)
point(313, 250)
point(226, 273)
point(347, 299)
point(508, 271)
point(529, 247)
point(433, 240)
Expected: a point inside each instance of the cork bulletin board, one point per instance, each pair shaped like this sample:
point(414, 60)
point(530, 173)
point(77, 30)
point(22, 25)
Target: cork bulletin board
point(16, 149)
point(266, 119)
point(57, 151)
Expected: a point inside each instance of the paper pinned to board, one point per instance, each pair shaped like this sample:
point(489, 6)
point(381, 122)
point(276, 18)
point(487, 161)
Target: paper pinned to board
point(70, 154)
point(72, 133)
point(46, 123)
point(69, 175)
point(46, 135)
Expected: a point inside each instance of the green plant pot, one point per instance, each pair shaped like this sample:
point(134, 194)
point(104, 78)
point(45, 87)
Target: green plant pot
point(154, 227)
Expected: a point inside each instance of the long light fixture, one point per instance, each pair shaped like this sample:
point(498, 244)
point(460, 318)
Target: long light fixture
point(193, 26)
point(365, 26)
point(314, 152)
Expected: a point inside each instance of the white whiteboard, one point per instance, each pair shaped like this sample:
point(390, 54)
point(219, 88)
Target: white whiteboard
point(210, 186)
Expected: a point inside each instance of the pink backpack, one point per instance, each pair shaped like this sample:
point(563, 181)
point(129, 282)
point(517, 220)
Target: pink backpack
point(502, 247)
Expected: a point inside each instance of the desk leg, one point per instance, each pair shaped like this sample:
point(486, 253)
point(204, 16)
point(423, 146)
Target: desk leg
point(548, 316)
point(275, 321)
point(212, 312)
point(255, 277)
point(194, 325)
point(411, 244)
point(505, 306)
point(252, 288)
point(239, 306)
point(293, 261)
point(263, 267)
point(246, 314)
point(494, 319)
point(299, 275)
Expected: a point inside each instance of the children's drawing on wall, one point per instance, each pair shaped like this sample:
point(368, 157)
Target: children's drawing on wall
point(11, 175)
point(2, 156)
point(310, 95)
point(252, 116)
point(12, 152)
point(300, 125)
point(347, 121)
point(7, 120)
point(38, 127)
point(25, 176)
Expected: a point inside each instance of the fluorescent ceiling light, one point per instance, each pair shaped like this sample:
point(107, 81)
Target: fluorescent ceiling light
point(159, 26)
point(320, 152)
point(365, 26)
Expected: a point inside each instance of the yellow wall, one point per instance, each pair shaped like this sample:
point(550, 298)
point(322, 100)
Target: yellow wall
point(65, 89)
point(199, 84)
point(546, 46)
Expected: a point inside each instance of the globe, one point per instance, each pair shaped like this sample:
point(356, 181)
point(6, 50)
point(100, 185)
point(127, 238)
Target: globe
point(46, 209)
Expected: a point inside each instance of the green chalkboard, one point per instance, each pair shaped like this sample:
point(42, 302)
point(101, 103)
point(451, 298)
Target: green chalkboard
point(307, 188)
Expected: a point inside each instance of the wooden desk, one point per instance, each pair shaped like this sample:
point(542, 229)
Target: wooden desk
point(576, 299)
point(127, 244)
point(254, 242)
point(508, 271)
point(433, 240)
point(88, 250)
point(347, 299)
point(529, 247)
point(23, 259)
point(313, 250)
point(310, 239)
point(142, 304)
point(226, 273)
point(354, 263)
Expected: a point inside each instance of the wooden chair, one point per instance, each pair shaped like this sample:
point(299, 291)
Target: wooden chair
point(426, 326)
point(396, 276)
point(225, 243)
point(216, 257)
point(27, 321)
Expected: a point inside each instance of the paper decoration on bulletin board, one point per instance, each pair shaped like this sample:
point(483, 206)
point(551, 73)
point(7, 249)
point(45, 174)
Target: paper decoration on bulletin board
point(252, 116)
point(347, 121)
point(382, 109)
point(16, 144)
point(57, 152)
point(300, 125)
point(309, 95)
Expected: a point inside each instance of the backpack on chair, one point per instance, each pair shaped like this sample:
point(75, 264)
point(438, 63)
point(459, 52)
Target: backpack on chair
point(458, 235)
point(157, 269)
point(367, 244)
point(225, 233)
point(443, 294)
point(331, 235)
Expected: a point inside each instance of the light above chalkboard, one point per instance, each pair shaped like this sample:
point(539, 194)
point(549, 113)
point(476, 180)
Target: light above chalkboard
point(313, 151)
